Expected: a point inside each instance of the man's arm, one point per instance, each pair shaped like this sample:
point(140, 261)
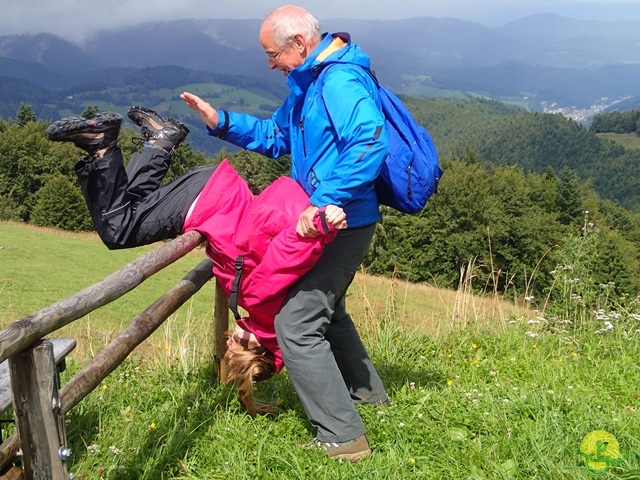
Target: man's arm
point(268, 137)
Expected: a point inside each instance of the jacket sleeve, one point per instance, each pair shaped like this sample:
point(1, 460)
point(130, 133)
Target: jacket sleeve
point(352, 103)
point(268, 137)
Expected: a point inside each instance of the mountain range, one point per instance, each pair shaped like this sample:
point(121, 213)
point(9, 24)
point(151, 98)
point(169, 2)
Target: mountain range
point(535, 62)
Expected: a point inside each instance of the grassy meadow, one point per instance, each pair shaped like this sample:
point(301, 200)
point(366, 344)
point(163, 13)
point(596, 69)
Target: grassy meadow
point(480, 388)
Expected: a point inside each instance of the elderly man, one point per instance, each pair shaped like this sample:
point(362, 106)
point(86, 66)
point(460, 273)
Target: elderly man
point(338, 143)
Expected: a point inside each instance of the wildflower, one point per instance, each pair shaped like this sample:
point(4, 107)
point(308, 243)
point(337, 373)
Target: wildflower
point(449, 382)
point(531, 334)
point(412, 461)
point(570, 387)
point(412, 386)
point(528, 298)
point(534, 346)
point(474, 346)
point(116, 451)
point(550, 392)
point(153, 426)
point(166, 347)
point(104, 387)
point(374, 362)
point(492, 373)
point(401, 424)
point(93, 448)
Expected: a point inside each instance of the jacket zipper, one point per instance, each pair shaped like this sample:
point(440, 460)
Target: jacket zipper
point(304, 143)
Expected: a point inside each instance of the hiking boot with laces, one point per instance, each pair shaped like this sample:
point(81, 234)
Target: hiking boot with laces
point(164, 133)
point(352, 451)
point(89, 134)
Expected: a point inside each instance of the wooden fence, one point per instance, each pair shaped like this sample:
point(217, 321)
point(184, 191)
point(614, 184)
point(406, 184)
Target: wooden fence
point(44, 455)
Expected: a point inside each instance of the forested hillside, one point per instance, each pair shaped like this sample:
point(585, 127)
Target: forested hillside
point(527, 200)
point(534, 141)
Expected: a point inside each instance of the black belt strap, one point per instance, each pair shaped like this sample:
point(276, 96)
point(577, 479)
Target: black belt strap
point(235, 286)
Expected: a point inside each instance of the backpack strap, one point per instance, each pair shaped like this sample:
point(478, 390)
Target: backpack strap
point(235, 286)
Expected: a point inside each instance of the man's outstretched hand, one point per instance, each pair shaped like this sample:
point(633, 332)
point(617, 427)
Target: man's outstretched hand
point(208, 114)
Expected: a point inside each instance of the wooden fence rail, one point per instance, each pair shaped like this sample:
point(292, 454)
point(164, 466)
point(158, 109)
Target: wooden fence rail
point(29, 330)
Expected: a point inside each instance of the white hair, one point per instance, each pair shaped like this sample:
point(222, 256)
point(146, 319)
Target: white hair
point(288, 21)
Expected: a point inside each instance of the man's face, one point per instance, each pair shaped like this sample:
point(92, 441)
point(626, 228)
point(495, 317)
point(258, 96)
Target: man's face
point(283, 59)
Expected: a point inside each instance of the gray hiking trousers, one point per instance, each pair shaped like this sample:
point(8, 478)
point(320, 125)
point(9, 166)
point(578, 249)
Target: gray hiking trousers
point(326, 360)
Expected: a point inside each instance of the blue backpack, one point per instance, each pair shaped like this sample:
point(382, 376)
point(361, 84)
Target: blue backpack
point(411, 172)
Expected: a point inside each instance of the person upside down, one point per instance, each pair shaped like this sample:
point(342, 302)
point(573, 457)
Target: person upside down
point(129, 208)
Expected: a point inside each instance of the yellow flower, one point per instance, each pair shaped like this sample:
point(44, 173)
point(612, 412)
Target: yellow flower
point(104, 387)
point(474, 345)
point(166, 347)
point(374, 362)
point(575, 354)
point(412, 461)
point(153, 426)
point(534, 346)
point(449, 355)
point(127, 414)
point(449, 382)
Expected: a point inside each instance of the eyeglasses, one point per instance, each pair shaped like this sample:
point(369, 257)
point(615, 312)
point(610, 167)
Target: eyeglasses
point(244, 343)
point(273, 55)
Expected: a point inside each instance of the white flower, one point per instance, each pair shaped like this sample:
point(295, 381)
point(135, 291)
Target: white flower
point(114, 450)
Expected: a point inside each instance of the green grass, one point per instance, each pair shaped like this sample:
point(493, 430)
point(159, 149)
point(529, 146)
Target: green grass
point(476, 393)
point(627, 140)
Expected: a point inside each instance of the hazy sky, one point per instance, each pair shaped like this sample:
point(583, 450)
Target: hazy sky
point(72, 19)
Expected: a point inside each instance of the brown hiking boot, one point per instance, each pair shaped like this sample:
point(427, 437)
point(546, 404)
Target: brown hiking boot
point(167, 134)
point(352, 451)
point(89, 134)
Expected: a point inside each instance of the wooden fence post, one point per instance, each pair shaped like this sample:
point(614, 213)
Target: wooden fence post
point(36, 405)
point(221, 324)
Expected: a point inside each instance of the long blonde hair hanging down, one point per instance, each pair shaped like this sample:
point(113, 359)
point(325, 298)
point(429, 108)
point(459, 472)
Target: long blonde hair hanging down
point(244, 367)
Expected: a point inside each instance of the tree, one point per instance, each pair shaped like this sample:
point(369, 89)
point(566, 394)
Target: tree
point(25, 115)
point(61, 205)
point(90, 112)
point(569, 201)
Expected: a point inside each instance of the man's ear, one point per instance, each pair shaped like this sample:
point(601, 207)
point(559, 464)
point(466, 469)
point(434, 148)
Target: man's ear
point(299, 43)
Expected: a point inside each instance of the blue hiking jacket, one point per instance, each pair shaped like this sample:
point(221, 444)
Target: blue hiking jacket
point(336, 137)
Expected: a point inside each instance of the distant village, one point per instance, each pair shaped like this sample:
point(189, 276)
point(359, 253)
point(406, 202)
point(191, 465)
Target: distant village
point(582, 115)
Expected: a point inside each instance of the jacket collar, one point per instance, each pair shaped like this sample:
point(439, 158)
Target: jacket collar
point(327, 50)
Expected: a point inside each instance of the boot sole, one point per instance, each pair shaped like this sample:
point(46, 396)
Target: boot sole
point(352, 457)
point(65, 128)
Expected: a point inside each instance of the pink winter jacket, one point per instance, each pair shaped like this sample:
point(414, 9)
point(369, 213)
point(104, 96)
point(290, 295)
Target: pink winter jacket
point(262, 229)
